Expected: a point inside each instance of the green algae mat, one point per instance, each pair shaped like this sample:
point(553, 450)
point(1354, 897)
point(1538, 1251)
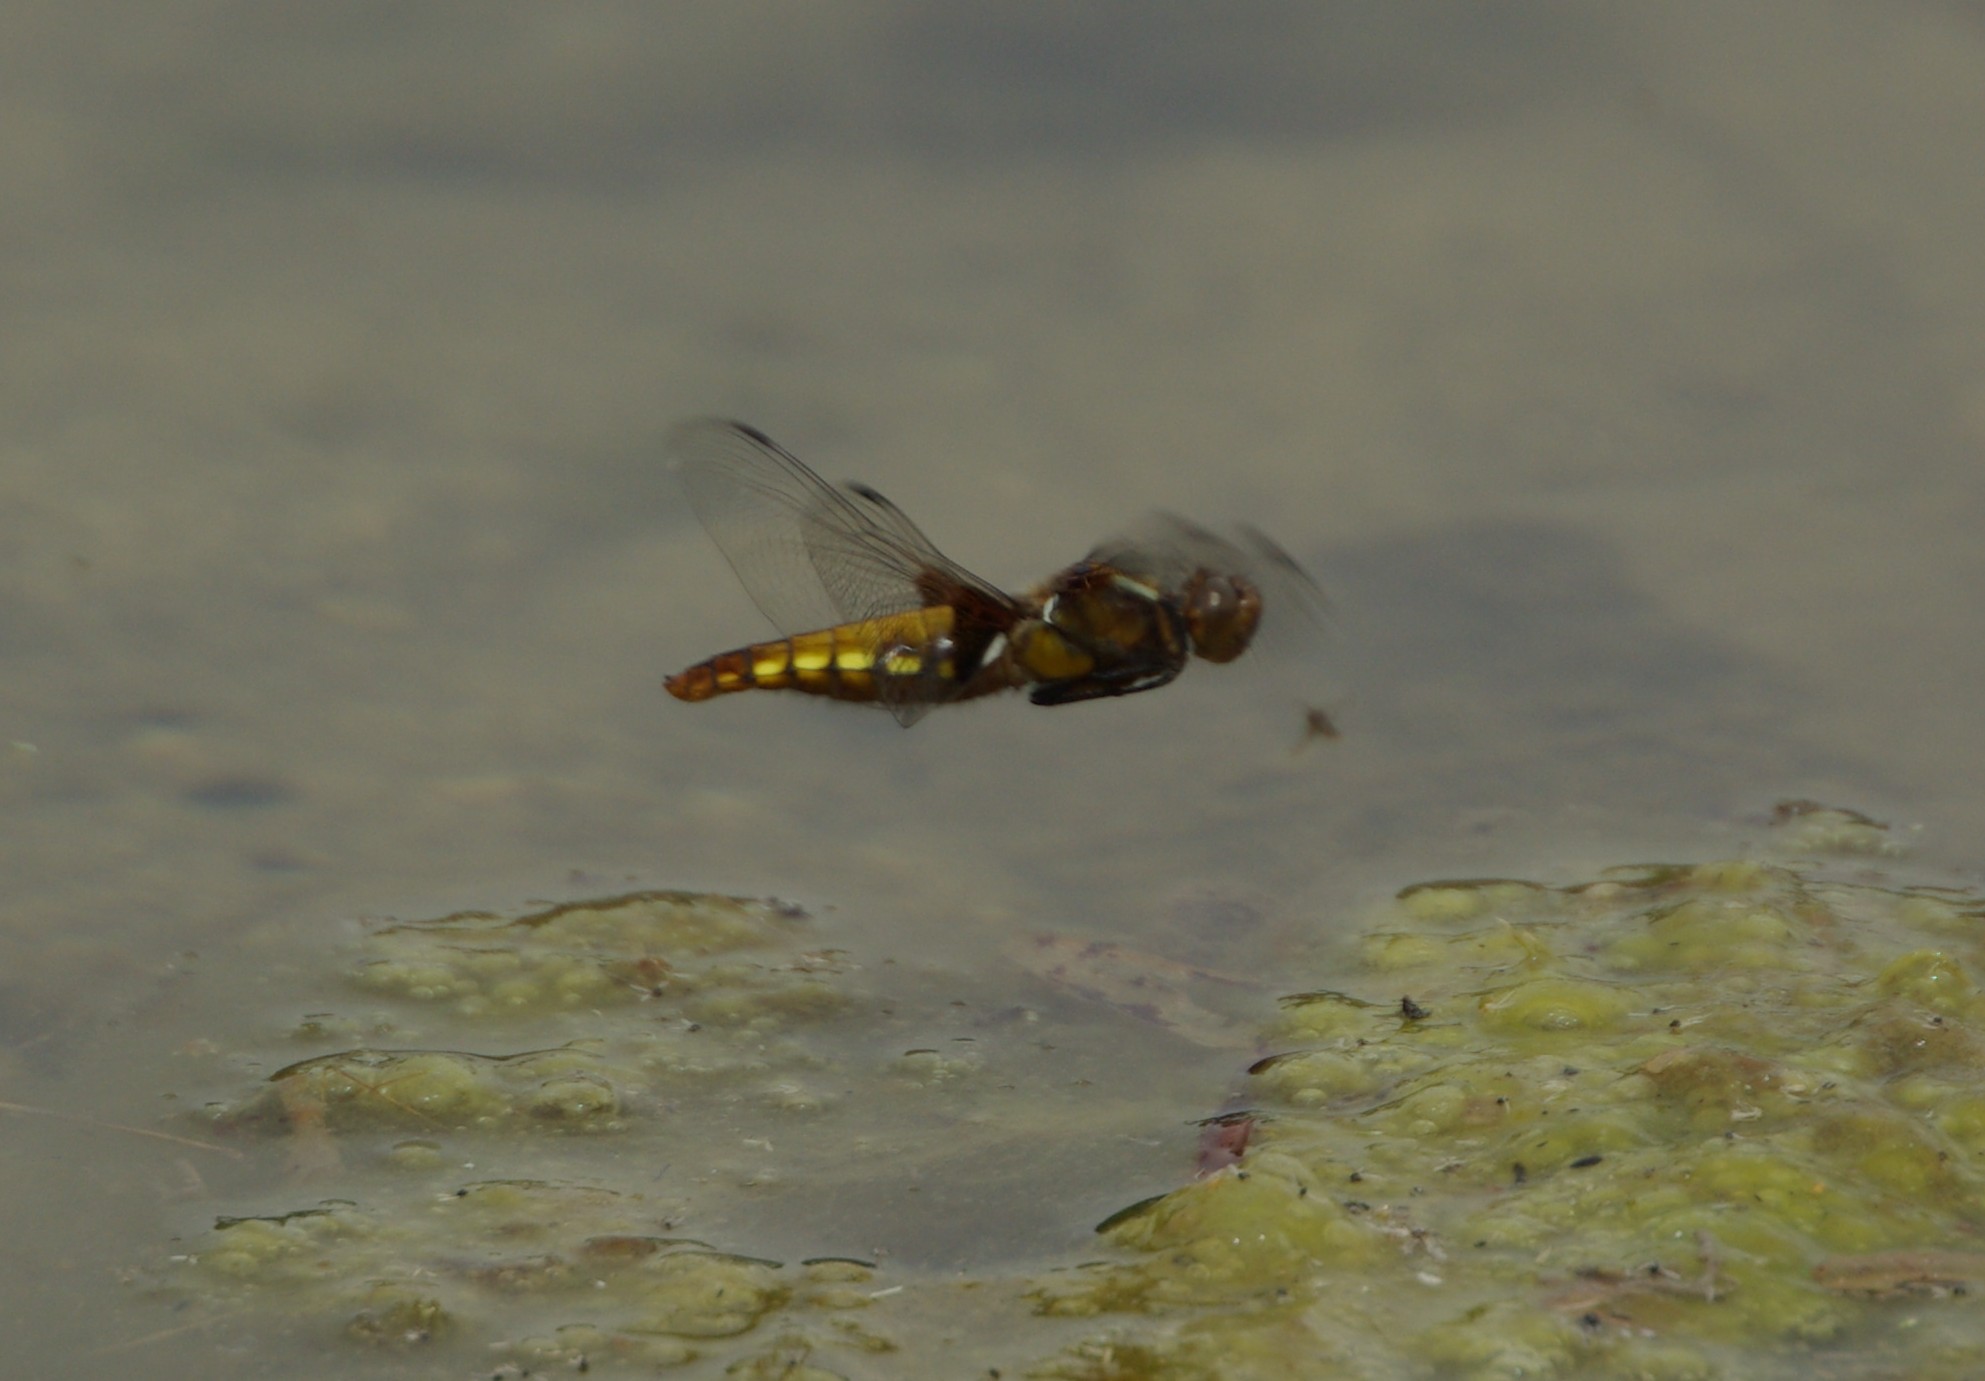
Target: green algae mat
point(1675, 1121)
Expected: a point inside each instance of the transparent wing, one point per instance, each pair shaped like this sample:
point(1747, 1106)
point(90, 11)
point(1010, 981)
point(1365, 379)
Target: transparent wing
point(1283, 578)
point(810, 555)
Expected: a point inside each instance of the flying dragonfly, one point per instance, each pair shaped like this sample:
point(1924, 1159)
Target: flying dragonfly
point(872, 612)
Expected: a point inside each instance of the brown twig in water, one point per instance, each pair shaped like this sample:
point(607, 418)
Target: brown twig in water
point(86, 1120)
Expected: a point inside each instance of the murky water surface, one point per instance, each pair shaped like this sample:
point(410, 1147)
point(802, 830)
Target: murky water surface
point(1620, 377)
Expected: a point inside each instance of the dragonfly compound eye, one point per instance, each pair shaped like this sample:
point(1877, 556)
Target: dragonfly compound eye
point(1221, 614)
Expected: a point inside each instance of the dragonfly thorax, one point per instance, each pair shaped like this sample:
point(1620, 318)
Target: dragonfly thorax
point(1100, 633)
point(1044, 653)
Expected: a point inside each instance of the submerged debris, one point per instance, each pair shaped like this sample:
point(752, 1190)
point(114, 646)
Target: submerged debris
point(1811, 827)
point(1928, 1269)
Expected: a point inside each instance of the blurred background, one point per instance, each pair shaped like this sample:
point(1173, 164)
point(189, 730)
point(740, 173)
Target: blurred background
point(1619, 373)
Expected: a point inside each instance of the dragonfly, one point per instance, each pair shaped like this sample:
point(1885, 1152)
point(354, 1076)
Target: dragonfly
point(870, 611)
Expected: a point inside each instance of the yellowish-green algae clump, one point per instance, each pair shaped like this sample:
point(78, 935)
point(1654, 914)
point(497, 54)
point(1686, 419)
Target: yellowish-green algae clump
point(687, 1019)
point(552, 1271)
point(1673, 1122)
point(642, 992)
point(579, 955)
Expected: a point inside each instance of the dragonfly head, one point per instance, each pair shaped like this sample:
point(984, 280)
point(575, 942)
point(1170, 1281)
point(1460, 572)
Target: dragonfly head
point(1221, 614)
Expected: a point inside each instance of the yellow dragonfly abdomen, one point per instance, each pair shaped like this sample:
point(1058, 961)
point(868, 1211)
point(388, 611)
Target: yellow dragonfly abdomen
point(850, 661)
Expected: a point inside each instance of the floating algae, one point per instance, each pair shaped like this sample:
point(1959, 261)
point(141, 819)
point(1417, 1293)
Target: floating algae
point(580, 955)
point(1674, 1122)
point(1678, 1121)
point(692, 1007)
point(691, 965)
point(544, 1273)
point(570, 1088)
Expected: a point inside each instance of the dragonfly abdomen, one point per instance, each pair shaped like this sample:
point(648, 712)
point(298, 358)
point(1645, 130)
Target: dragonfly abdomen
point(847, 662)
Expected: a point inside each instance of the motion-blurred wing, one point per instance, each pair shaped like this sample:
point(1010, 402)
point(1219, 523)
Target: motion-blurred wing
point(1165, 549)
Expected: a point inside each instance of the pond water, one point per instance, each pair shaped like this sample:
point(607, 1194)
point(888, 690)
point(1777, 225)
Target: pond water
point(1620, 376)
